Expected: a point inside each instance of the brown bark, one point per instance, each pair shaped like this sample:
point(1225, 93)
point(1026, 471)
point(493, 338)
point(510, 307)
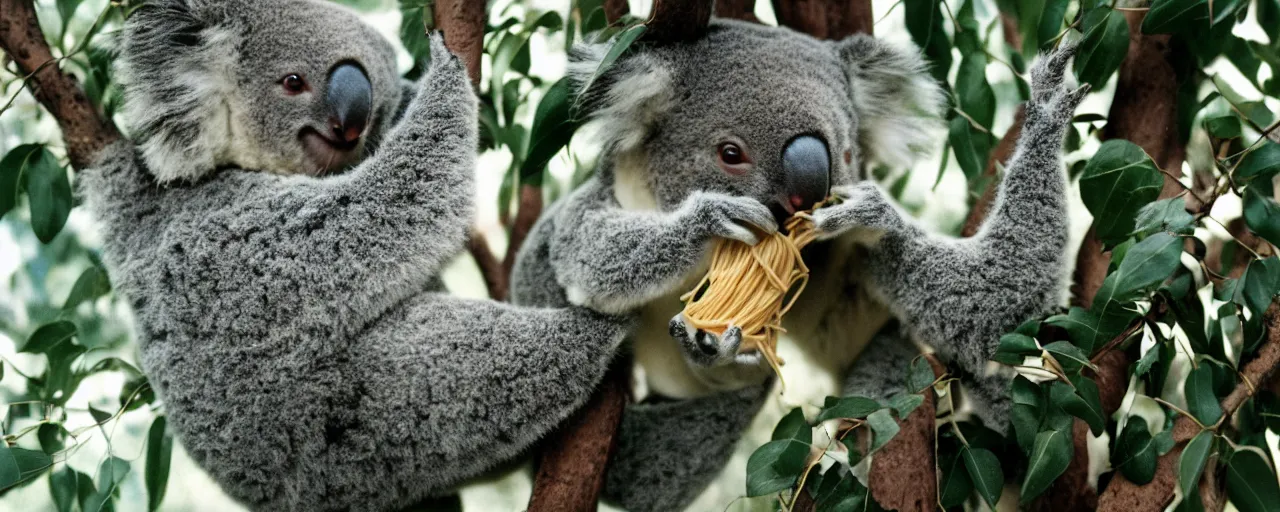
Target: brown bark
point(737, 9)
point(491, 268)
point(615, 10)
point(678, 20)
point(903, 473)
point(826, 19)
point(1123, 495)
point(527, 214)
point(571, 470)
point(462, 22)
point(84, 130)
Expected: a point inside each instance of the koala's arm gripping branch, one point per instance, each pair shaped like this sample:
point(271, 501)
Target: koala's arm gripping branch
point(611, 259)
point(84, 130)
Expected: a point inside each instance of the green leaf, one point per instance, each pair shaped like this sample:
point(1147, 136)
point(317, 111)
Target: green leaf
point(49, 336)
point(924, 20)
point(1082, 402)
point(904, 404)
point(793, 426)
point(99, 417)
point(1051, 19)
point(883, 428)
point(1118, 181)
point(975, 96)
point(91, 285)
point(1135, 452)
point(1191, 464)
point(1014, 347)
point(1165, 215)
point(159, 452)
point(1251, 483)
point(849, 407)
point(1175, 16)
point(971, 147)
point(1261, 162)
point(620, 46)
point(1223, 127)
point(1259, 283)
point(1081, 327)
point(956, 484)
point(1050, 455)
point(775, 466)
point(1201, 400)
point(1145, 265)
point(10, 474)
point(920, 375)
point(1262, 214)
point(51, 437)
point(13, 169)
point(64, 487)
point(48, 195)
point(1069, 356)
point(66, 11)
point(1147, 360)
point(1103, 48)
point(1269, 19)
point(984, 472)
point(552, 129)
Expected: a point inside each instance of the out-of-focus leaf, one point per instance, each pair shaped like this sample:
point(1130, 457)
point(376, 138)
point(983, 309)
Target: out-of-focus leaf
point(553, 127)
point(1262, 213)
point(91, 284)
point(883, 428)
point(13, 169)
point(905, 404)
point(49, 336)
point(1263, 161)
point(920, 375)
point(159, 452)
point(64, 487)
point(50, 436)
point(48, 195)
point(1223, 127)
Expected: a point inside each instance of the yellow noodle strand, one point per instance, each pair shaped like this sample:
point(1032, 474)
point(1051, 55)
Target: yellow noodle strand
point(747, 286)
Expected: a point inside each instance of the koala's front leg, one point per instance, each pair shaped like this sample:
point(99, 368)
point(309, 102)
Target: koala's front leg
point(960, 295)
point(615, 260)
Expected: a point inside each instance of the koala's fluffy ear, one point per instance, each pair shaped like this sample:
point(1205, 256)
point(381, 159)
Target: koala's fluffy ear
point(898, 103)
point(177, 60)
point(627, 99)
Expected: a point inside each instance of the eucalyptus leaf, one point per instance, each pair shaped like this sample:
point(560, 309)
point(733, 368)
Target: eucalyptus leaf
point(1103, 48)
point(1251, 483)
point(1194, 455)
point(159, 453)
point(48, 195)
point(13, 171)
point(1202, 402)
point(849, 407)
point(985, 473)
point(883, 429)
point(1050, 454)
point(1135, 452)
point(955, 486)
point(1118, 181)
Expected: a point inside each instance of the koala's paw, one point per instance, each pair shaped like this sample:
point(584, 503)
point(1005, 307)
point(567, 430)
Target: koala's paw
point(1051, 101)
point(863, 205)
point(707, 350)
point(730, 217)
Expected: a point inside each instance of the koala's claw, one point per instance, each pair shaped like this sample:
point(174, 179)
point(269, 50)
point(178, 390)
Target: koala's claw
point(705, 349)
point(733, 217)
point(862, 205)
point(1051, 102)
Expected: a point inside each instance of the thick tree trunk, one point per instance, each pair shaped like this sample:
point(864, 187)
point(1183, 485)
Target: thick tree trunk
point(826, 19)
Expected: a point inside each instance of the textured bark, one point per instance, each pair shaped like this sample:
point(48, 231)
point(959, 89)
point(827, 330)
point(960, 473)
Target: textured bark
point(462, 22)
point(1125, 496)
point(491, 268)
point(571, 471)
point(903, 474)
point(84, 130)
point(527, 214)
point(826, 19)
point(737, 9)
point(678, 20)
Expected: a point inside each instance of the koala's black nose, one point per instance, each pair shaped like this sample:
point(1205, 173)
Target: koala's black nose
point(350, 99)
point(806, 164)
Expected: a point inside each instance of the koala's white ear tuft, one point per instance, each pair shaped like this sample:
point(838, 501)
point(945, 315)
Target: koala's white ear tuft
point(898, 103)
point(626, 99)
point(177, 71)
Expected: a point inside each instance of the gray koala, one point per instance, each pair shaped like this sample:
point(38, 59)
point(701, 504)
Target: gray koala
point(290, 315)
point(751, 123)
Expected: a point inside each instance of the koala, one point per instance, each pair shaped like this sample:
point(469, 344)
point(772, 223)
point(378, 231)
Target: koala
point(724, 135)
point(278, 229)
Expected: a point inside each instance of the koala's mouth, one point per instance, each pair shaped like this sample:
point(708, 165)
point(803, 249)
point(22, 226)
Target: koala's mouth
point(328, 155)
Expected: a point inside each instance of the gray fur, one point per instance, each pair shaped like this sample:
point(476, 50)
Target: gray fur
point(290, 325)
point(759, 87)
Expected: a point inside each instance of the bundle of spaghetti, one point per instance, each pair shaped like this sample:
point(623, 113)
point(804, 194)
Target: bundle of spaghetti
point(747, 287)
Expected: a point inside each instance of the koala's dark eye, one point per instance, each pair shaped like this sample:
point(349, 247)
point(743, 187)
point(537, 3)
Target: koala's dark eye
point(293, 83)
point(732, 154)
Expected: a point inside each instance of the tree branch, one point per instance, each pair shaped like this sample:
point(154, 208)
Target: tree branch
point(737, 9)
point(1123, 495)
point(84, 130)
point(826, 19)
